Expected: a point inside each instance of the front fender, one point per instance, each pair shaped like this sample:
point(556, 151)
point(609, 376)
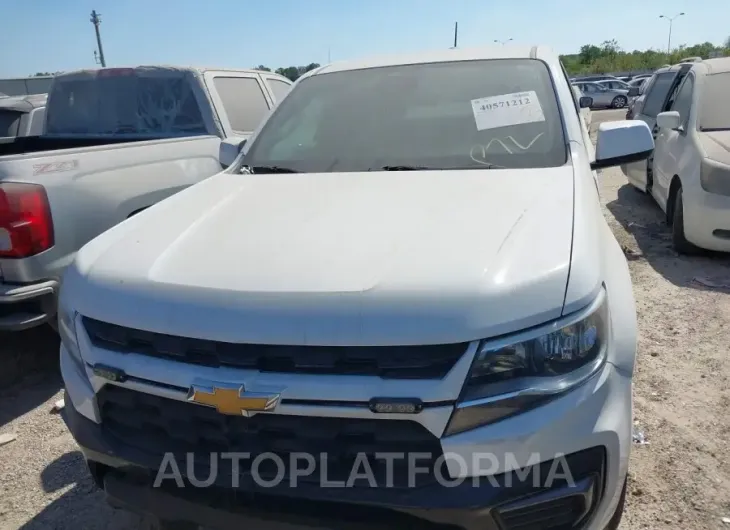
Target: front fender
point(622, 306)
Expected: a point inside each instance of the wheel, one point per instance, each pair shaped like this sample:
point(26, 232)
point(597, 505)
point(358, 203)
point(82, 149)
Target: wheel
point(616, 519)
point(679, 241)
point(619, 102)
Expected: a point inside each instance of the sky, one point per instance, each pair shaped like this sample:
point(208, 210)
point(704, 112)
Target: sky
point(56, 35)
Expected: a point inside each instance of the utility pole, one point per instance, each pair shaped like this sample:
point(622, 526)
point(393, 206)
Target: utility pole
point(95, 20)
point(456, 34)
point(670, 19)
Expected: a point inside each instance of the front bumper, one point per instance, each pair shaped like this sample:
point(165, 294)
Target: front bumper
point(504, 502)
point(592, 425)
point(706, 218)
point(24, 306)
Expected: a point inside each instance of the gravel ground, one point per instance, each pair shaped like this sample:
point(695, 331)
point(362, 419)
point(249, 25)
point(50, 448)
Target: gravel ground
point(681, 479)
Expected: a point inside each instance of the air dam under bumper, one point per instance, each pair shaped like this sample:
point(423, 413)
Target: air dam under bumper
point(127, 475)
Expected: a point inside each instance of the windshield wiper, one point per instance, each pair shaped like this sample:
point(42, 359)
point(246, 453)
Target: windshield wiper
point(406, 168)
point(425, 168)
point(267, 169)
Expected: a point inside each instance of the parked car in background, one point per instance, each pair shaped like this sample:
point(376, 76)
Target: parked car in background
point(116, 141)
point(22, 115)
point(585, 110)
point(639, 79)
point(603, 97)
point(614, 83)
point(382, 292)
point(595, 78)
point(689, 109)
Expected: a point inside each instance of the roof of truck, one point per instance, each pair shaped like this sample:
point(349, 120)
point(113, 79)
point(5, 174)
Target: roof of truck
point(162, 67)
point(23, 103)
point(507, 51)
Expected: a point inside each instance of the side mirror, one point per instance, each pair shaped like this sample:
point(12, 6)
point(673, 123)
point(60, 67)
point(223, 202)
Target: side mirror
point(669, 120)
point(622, 142)
point(586, 102)
point(229, 150)
point(634, 92)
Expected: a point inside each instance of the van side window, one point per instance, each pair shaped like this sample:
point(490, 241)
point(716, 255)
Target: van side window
point(683, 100)
point(243, 100)
point(657, 95)
point(279, 88)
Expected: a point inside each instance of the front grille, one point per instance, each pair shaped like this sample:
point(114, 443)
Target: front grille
point(394, 362)
point(159, 425)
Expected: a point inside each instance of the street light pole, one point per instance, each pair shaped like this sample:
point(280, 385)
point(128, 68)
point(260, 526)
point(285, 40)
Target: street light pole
point(502, 42)
point(670, 19)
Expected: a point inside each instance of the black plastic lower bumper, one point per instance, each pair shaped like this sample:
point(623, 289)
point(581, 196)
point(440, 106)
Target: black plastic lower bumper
point(514, 500)
point(24, 306)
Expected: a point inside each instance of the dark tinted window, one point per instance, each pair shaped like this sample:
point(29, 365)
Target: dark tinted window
point(441, 115)
point(161, 104)
point(658, 94)
point(9, 122)
point(279, 88)
point(243, 100)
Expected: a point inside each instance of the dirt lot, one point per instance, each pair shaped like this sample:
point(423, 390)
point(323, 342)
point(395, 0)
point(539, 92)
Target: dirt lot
point(681, 479)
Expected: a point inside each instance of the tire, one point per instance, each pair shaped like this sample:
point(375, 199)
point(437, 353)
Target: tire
point(619, 102)
point(679, 241)
point(616, 519)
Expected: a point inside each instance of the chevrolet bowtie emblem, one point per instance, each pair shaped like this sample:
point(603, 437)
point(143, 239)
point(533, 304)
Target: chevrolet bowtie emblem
point(233, 400)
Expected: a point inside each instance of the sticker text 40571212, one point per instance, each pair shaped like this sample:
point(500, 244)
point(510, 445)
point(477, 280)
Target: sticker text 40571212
point(507, 109)
point(516, 102)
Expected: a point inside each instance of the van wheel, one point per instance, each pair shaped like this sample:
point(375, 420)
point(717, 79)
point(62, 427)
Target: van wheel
point(679, 241)
point(616, 519)
point(619, 102)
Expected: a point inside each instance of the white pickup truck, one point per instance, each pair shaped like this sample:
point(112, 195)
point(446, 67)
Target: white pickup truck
point(401, 307)
point(116, 141)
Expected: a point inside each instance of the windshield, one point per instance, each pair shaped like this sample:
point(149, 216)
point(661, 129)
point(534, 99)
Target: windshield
point(715, 111)
point(456, 115)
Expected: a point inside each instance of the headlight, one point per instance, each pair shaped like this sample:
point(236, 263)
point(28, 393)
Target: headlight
point(715, 177)
point(523, 371)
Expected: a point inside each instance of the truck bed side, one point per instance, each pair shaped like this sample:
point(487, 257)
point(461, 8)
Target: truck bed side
point(28, 145)
point(91, 189)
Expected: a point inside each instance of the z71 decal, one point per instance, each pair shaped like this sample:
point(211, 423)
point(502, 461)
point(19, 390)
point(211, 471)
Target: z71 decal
point(55, 167)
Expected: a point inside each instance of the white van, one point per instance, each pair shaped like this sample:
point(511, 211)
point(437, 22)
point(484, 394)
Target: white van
point(690, 173)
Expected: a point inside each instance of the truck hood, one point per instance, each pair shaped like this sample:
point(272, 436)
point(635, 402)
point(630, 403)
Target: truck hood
point(375, 258)
point(716, 145)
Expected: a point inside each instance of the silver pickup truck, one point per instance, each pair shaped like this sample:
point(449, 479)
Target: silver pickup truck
point(116, 141)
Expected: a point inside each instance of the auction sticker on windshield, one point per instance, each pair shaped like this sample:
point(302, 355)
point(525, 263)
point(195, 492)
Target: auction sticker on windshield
point(507, 109)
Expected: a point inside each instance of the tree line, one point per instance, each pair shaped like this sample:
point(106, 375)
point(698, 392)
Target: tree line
point(292, 72)
point(609, 57)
